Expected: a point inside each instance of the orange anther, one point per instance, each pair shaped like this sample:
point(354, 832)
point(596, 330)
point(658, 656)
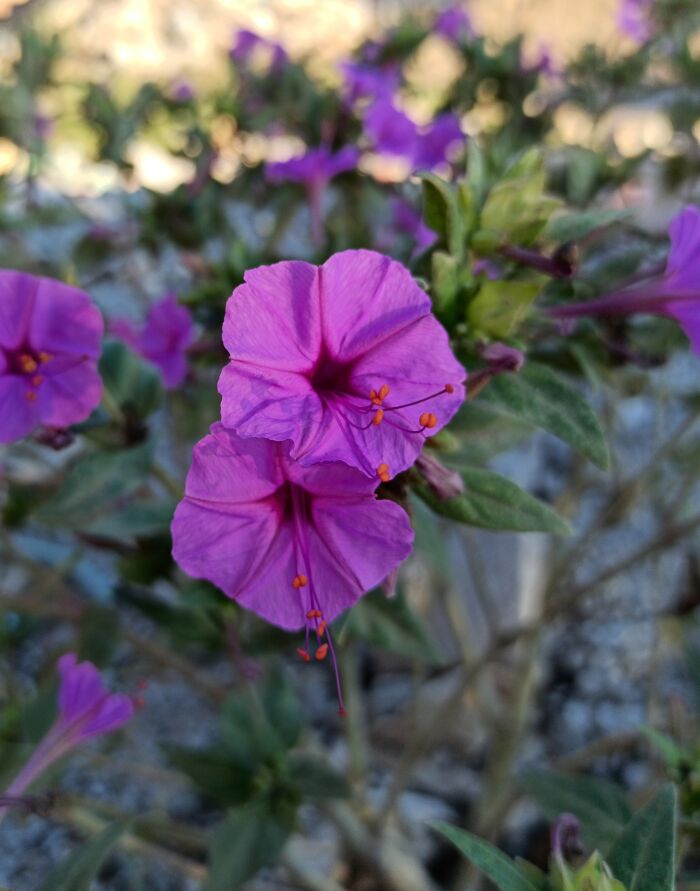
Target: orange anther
point(30, 395)
point(321, 652)
point(313, 614)
point(321, 630)
point(378, 417)
point(37, 380)
point(383, 468)
point(449, 388)
point(384, 477)
point(300, 581)
point(427, 419)
point(45, 357)
point(373, 395)
point(27, 363)
point(383, 391)
point(304, 655)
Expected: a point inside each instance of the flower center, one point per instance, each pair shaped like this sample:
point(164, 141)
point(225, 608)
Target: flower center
point(26, 363)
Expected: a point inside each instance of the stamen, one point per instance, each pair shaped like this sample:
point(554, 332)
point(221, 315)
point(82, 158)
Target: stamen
point(377, 397)
point(321, 630)
point(378, 417)
point(300, 581)
point(313, 614)
point(304, 654)
point(30, 396)
point(383, 473)
point(428, 419)
point(448, 388)
point(322, 652)
point(37, 380)
point(45, 357)
point(27, 363)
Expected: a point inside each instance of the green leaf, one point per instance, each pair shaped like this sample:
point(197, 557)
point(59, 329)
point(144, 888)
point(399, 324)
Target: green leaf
point(390, 624)
point(214, 773)
point(501, 307)
point(502, 871)
point(92, 486)
point(538, 395)
point(139, 519)
point(601, 806)
point(247, 840)
point(78, 870)
point(133, 385)
point(643, 857)
point(575, 226)
point(491, 501)
point(445, 284)
point(316, 779)
point(442, 213)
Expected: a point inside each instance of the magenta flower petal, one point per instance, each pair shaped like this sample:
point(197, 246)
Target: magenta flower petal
point(85, 707)
point(257, 542)
point(344, 360)
point(50, 337)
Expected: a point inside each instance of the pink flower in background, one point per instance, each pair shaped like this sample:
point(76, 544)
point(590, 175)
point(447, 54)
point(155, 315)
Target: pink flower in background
point(453, 23)
point(296, 545)
point(86, 709)
point(409, 221)
point(633, 19)
point(675, 294)
point(247, 44)
point(164, 339)
point(369, 82)
point(314, 169)
point(392, 132)
point(345, 360)
point(50, 341)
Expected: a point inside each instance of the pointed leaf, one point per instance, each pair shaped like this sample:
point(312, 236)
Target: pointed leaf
point(502, 871)
point(643, 857)
point(78, 870)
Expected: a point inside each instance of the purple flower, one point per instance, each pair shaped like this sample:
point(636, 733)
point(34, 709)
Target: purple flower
point(314, 169)
point(296, 545)
point(50, 341)
point(86, 709)
point(410, 221)
point(182, 91)
point(247, 44)
point(453, 23)
point(543, 63)
point(369, 82)
point(675, 294)
point(633, 19)
point(393, 133)
point(164, 339)
point(345, 360)
point(445, 482)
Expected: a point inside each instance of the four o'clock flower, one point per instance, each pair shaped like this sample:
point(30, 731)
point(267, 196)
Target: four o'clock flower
point(315, 169)
point(392, 132)
point(296, 545)
point(453, 23)
point(248, 44)
point(369, 82)
point(344, 360)
point(163, 340)
point(86, 709)
point(50, 341)
point(633, 19)
point(675, 294)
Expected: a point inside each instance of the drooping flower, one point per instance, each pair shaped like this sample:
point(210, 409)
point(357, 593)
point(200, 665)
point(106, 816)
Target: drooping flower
point(248, 44)
point(50, 341)
point(345, 360)
point(163, 340)
point(633, 19)
point(453, 23)
point(445, 482)
point(392, 132)
point(368, 81)
point(409, 221)
point(675, 294)
point(315, 169)
point(296, 545)
point(86, 709)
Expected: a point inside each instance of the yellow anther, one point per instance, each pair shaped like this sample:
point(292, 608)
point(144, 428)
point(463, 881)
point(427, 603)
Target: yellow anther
point(378, 417)
point(27, 363)
point(313, 614)
point(321, 652)
point(321, 630)
point(428, 419)
point(383, 391)
point(45, 357)
point(300, 581)
point(37, 380)
point(383, 468)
